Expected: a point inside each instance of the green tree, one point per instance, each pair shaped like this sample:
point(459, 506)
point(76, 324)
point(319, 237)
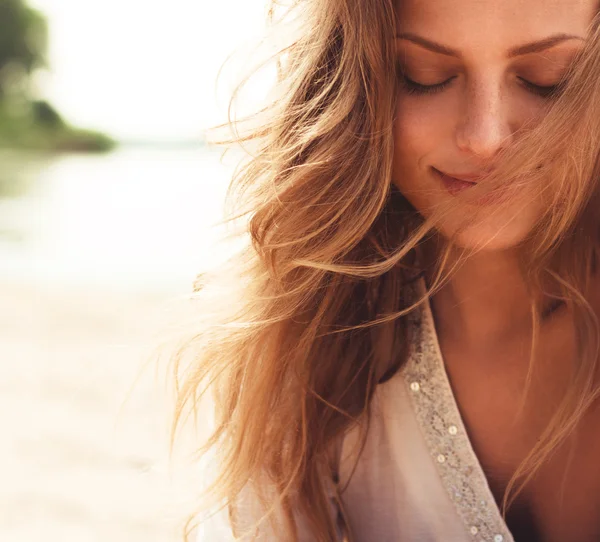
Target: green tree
point(23, 45)
point(27, 122)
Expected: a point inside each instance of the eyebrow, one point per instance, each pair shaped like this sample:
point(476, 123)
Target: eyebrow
point(532, 47)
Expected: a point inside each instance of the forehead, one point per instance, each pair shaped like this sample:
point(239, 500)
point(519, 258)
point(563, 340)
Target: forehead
point(494, 23)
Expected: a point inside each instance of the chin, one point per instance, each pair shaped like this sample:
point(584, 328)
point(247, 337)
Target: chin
point(474, 227)
point(489, 235)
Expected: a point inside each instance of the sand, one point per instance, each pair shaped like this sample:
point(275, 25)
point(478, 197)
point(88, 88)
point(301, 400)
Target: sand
point(82, 460)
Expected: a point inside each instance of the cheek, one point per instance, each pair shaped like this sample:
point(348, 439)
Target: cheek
point(421, 128)
point(421, 134)
point(528, 111)
point(417, 142)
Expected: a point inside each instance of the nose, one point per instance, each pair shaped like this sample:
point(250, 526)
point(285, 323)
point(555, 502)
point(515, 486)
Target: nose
point(484, 127)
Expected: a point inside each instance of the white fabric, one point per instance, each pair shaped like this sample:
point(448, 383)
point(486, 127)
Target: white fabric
point(417, 478)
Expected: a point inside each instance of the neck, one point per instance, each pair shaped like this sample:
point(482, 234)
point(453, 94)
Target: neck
point(486, 300)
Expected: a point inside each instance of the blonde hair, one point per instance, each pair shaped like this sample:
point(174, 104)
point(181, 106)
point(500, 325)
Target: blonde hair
point(296, 330)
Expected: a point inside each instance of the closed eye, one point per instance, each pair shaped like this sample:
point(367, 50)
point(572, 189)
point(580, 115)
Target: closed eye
point(544, 91)
point(412, 87)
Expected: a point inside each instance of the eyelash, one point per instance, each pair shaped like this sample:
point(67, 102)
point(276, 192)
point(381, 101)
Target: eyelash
point(412, 87)
point(544, 92)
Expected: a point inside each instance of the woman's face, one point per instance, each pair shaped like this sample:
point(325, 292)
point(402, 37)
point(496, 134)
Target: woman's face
point(486, 63)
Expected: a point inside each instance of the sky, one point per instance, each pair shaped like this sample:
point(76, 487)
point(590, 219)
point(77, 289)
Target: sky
point(144, 69)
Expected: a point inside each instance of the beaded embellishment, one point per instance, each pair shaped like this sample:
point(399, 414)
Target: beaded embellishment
point(444, 432)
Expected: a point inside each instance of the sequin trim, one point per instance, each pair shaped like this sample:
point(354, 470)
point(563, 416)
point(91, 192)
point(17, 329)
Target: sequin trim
point(444, 432)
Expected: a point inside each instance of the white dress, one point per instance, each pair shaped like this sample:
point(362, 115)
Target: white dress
point(417, 478)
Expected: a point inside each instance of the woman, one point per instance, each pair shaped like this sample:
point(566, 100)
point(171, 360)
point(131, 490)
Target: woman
point(407, 349)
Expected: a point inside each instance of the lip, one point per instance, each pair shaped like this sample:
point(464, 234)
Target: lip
point(452, 185)
point(466, 177)
point(455, 185)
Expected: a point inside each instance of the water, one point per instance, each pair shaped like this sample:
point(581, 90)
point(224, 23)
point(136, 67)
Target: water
point(91, 249)
point(134, 219)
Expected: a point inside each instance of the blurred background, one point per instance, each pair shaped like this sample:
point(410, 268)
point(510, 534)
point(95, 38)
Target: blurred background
point(108, 197)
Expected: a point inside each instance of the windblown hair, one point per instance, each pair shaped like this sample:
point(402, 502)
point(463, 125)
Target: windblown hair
point(295, 331)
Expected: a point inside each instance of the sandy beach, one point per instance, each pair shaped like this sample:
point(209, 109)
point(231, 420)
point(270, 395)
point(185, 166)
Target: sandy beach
point(85, 456)
point(97, 254)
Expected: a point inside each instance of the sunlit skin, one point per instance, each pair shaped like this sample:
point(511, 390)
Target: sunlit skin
point(482, 315)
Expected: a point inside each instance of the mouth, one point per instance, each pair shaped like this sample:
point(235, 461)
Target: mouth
point(456, 185)
point(459, 183)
